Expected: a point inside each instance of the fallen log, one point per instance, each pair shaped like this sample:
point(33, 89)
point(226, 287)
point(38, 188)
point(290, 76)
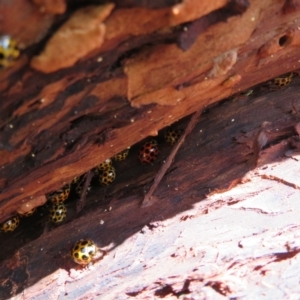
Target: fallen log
point(59, 125)
point(217, 155)
point(157, 62)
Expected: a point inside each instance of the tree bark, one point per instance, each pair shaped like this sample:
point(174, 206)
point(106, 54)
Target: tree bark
point(166, 246)
point(59, 125)
point(160, 61)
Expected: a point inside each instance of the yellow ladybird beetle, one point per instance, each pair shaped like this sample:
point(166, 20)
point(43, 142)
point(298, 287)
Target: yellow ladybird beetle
point(105, 165)
point(60, 195)
point(8, 51)
point(122, 155)
point(58, 212)
point(10, 225)
point(172, 136)
point(282, 80)
point(75, 180)
point(108, 176)
point(84, 251)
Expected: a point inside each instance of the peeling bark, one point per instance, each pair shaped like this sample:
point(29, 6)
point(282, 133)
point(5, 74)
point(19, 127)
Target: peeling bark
point(60, 125)
point(223, 246)
point(193, 240)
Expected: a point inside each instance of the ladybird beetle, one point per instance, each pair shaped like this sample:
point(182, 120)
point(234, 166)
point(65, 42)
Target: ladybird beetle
point(8, 51)
point(10, 225)
point(122, 155)
point(108, 176)
point(75, 180)
point(283, 80)
point(28, 213)
point(148, 152)
point(84, 251)
point(104, 165)
point(58, 212)
point(60, 195)
point(172, 136)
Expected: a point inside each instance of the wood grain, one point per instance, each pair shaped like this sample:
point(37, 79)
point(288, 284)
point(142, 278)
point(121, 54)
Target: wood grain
point(216, 156)
point(60, 125)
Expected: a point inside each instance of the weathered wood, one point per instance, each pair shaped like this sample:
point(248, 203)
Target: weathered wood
point(148, 199)
point(153, 67)
point(217, 155)
point(59, 125)
point(42, 125)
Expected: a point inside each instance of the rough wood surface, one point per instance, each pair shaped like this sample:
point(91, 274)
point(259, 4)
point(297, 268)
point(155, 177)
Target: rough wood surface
point(59, 125)
point(242, 243)
point(159, 61)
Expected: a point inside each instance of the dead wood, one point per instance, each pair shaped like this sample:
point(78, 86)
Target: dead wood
point(60, 125)
point(216, 156)
point(158, 62)
point(148, 200)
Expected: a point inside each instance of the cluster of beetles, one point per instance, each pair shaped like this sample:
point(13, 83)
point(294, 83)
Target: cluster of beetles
point(84, 251)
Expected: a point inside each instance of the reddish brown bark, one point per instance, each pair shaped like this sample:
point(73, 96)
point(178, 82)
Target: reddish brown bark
point(216, 156)
point(59, 125)
point(152, 69)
